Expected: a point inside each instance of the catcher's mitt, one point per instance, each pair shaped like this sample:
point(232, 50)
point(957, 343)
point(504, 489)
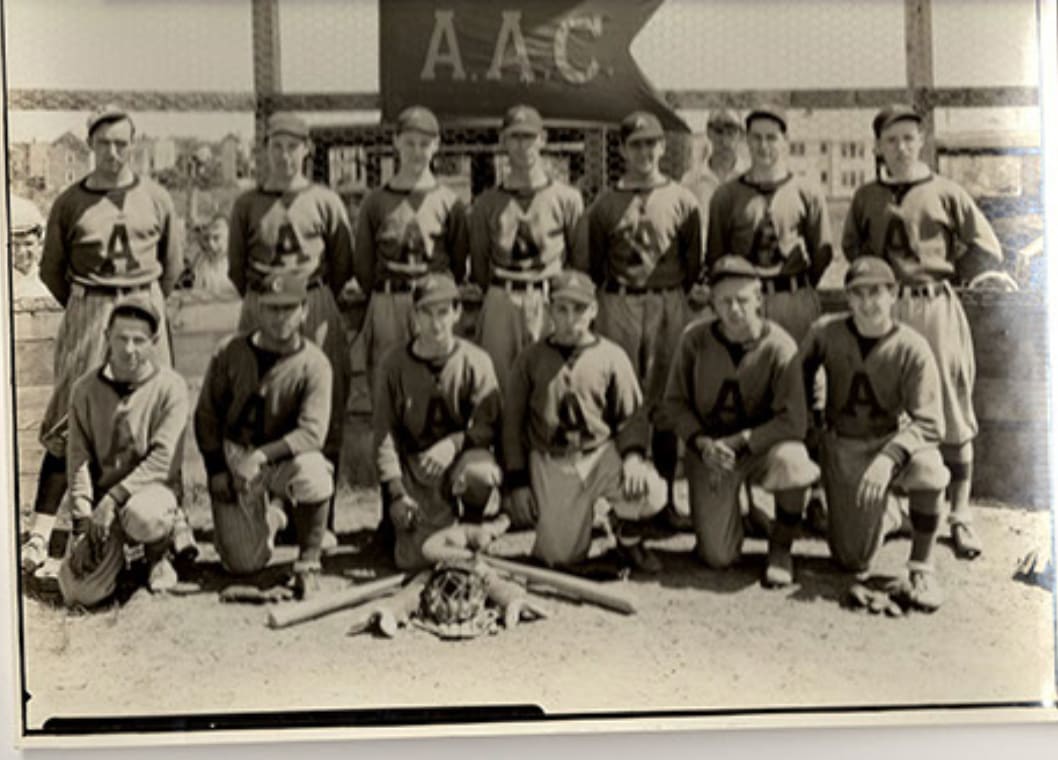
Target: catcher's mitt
point(453, 602)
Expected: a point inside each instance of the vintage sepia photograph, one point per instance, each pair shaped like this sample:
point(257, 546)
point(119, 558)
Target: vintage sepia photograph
point(454, 367)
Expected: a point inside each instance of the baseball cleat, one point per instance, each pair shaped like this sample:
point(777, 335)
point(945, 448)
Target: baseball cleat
point(639, 557)
point(162, 576)
point(34, 554)
point(967, 543)
point(779, 572)
point(329, 544)
point(921, 591)
point(306, 580)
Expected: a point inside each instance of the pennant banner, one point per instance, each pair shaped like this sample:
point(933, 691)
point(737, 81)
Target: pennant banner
point(472, 59)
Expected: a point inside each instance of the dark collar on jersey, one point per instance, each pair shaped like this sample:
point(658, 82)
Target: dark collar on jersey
point(738, 350)
point(253, 339)
point(434, 363)
point(124, 387)
point(281, 192)
point(901, 187)
point(107, 190)
point(409, 190)
point(622, 185)
point(569, 352)
point(526, 191)
point(865, 343)
point(765, 187)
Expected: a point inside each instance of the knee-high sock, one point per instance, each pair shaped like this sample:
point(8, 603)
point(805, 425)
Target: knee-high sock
point(51, 485)
point(334, 459)
point(665, 452)
point(310, 520)
point(789, 505)
point(925, 516)
point(959, 461)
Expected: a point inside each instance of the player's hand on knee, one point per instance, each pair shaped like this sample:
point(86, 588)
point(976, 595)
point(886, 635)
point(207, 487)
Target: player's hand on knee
point(715, 454)
point(521, 506)
point(102, 521)
point(874, 485)
point(405, 514)
point(438, 458)
point(634, 473)
point(248, 468)
point(221, 488)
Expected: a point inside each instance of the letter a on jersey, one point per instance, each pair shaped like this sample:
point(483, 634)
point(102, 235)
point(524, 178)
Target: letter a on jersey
point(439, 422)
point(897, 241)
point(288, 251)
point(861, 394)
point(729, 408)
point(119, 259)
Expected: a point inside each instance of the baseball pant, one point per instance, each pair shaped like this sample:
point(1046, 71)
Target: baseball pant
point(325, 327)
point(854, 533)
point(714, 495)
point(244, 531)
point(472, 479)
point(793, 311)
point(388, 323)
point(648, 327)
point(147, 518)
point(940, 319)
point(509, 321)
point(566, 489)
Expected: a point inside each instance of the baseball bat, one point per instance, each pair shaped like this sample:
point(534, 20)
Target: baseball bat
point(324, 605)
point(578, 588)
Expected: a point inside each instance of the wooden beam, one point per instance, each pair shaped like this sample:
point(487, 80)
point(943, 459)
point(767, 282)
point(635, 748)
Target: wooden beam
point(918, 44)
point(267, 72)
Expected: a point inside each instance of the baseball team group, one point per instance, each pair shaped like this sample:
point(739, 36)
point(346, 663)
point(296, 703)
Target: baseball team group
point(668, 326)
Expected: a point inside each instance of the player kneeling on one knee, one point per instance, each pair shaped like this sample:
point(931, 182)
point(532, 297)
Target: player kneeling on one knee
point(574, 432)
point(884, 424)
point(261, 423)
point(735, 395)
point(126, 421)
point(436, 417)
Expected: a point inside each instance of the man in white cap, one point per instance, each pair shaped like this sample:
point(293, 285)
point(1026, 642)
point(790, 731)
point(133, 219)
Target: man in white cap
point(722, 160)
point(127, 418)
point(27, 237)
point(109, 235)
point(290, 224)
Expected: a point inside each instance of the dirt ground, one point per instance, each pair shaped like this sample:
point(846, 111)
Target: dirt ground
point(700, 640)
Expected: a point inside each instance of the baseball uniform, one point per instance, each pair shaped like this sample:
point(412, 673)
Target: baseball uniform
point(719, 388)
point(518, 238)
point(883, 398)
point(304, 231)
point(124, 439)
point(400, 236)
point(280, 404)
point(418, 402)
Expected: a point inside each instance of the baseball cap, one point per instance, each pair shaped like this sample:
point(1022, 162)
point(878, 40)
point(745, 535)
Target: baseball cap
point(140, 305)
point(640, 125)
point(435, 287)
point(767, 111)
point(522, 119)
point(573, 285)
point(722, 117)
point(892, 114)
point(283, 289)
point(418, 119)
point(108, 114)
point(25, 216)
point(286, 123)
point(727, 267)
point(869, 270)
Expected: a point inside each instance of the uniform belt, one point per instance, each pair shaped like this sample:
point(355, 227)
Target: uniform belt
point(314, 282)
point(519, 285)
point(116, 290)
point(923, 289)
point(393, 285)
point(611, 286)
point(784, 284)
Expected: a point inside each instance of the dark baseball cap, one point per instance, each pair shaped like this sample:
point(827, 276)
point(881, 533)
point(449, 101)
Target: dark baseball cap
point(522, 119)
point(572, 285)
point(768, 111)
point(283, 289)
point(892, 114)
point(108, 114)
point(435, 287)
point(286, 123)
point(418, 119)
point(730, 267)
point(641, 125)
point(722, 117)
point(137, 304)
point(869, 270)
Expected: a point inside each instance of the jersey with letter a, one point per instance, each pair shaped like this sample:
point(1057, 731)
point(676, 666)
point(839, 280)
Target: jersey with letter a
point(304, 230)
point(783, 228)
point(645, 237)
point(420, 401)
point(877, 387)
point(403, 234)
point(718, 387)
point(113, 238)
point(928, 230)
point(524, 231)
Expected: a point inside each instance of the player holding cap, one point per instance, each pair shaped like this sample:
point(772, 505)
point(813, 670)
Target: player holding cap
point(777, 221)
point(290, 224)
point(721, 161)
point(261, 423)
point(410, 226)
point(27, 237)
point(931, 232)
point(109, 235)
point(645, 253)
point(735, 396)
point(521, 233)
point(127, 418)
point(574, 431)
point(884, 423)
point(436, 421)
